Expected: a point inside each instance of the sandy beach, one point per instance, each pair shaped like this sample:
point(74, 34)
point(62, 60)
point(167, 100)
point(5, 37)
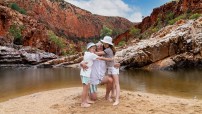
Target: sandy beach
point(67, 101)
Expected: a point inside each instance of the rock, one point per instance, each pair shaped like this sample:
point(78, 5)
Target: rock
point(180, 47)
point(24, 57)
point(176, 7)
point(75, 25)
point(65, 61)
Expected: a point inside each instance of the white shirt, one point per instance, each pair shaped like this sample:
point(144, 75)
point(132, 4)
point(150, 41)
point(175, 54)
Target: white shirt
point(98, 71)
point(88, 57)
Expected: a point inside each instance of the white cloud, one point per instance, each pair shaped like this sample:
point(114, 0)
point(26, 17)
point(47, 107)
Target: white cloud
point(109, 8)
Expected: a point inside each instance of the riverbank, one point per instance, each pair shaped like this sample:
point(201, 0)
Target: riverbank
point(67, 101)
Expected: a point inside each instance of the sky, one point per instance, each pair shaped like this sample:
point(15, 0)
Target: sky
point(132, 10)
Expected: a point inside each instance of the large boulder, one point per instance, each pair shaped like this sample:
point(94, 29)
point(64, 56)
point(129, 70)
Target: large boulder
point(167, 48)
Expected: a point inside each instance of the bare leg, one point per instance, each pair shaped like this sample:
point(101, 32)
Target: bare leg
point(113, 93)
point(84, 96)
point(116, 81)
point(93, 96)
point(107, 80)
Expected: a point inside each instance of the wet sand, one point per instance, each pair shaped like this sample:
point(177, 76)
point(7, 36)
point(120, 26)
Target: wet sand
point(67, 101)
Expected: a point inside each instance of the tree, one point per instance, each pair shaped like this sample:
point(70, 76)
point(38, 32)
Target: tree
point(105, 32)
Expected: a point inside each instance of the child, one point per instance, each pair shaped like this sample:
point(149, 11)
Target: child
point(85, 73)
point(109, 52)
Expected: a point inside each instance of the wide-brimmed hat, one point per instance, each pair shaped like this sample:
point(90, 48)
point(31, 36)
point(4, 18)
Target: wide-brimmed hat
point(108, 40)
point(89, 45)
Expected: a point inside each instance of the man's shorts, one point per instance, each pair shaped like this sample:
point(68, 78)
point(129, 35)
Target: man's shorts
point(113, 70)
point(93, 88)
point(85, 80)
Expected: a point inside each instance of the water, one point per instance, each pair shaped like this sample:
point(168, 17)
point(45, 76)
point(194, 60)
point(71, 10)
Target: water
point(184, 84)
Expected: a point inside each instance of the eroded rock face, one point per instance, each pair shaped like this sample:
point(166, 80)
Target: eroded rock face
point(70, 21)
point(73, 25)
point(23, 57)
point(177, 8)
point(171, 47)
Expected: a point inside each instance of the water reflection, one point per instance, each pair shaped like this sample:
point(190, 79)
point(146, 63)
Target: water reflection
point(186, 84)
point(177, 83)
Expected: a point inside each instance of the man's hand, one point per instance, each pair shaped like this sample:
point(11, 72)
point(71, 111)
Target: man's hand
point(84, 65)
point(117, 65)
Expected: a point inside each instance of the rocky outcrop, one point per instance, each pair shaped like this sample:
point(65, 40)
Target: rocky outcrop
point(162, 14)
point(70, 21)
point(62, 61)
point(23, 56)
point(174, 46)
point(72, 26)
point(32, 33)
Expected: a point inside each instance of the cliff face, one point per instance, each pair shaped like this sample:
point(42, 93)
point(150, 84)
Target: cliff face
point(68, 20)
point(175, 46)
point(161, 14)
point(53, 25)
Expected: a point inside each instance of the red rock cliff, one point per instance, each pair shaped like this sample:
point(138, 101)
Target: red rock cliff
point(73, 25)
point(178, 8)
point(68, 20)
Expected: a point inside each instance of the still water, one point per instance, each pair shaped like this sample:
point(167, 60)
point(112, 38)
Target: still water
point(184, 83)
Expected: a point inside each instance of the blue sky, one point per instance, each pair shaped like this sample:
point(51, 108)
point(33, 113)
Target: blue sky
point(132, 10)
point(145, 6)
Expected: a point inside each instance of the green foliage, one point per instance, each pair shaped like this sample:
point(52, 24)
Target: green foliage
point(71, 50)
point(169, 17)
point(56, 40)
point(155, 29)
point(134, 31)
point(195, 16)
point(122, 43)
point(16, 32)
point(105, 32)
point(14, 6)
point(183, 16)
point(116, 32)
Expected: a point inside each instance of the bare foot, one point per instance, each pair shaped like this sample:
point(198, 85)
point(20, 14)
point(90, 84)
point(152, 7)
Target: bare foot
point(109, 99)
point(115, 103)
point(90, 102)
point(85, 105)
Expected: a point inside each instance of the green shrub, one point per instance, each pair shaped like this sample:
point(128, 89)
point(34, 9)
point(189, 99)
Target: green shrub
point(122, 43)
point(105, 32)
point(16, 32)
point(155, 29)
point(134, 31)
point(171, 22)
point(14, 6)
point(195, 16)
point(56, 40)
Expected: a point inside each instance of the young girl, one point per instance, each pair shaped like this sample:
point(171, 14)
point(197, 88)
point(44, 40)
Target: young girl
point(109, 52)
point(85, 73)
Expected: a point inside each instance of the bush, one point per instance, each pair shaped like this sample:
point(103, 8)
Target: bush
point(171, 22)
point(134, 31)
point(56, 40)
point(105, 32)
point(14, 6)
point(122, 43)
point(16, 31)
point(195, 16)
